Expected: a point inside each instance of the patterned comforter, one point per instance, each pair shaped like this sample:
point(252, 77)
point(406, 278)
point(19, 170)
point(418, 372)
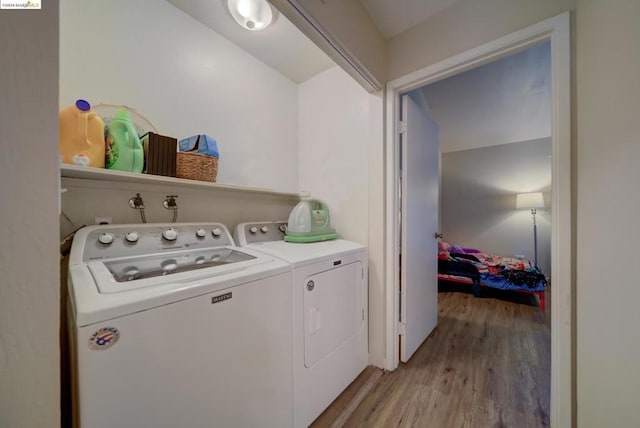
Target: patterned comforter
point(504, 273)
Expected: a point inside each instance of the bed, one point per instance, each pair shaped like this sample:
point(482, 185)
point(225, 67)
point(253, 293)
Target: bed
point(479, 269)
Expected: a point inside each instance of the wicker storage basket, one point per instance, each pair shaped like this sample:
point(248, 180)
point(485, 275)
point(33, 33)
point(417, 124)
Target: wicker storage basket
point(196, 166)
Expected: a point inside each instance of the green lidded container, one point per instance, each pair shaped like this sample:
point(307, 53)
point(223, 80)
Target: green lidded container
point(124, 150)
point(309, 221)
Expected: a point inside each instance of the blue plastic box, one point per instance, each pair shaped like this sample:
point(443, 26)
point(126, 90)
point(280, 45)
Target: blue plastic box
point(200, 144)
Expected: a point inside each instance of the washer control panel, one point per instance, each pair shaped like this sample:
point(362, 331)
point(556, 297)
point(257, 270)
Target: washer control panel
point(126, 240)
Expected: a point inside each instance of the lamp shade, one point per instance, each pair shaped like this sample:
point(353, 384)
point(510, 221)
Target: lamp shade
point(529, 200)
point(254, 15)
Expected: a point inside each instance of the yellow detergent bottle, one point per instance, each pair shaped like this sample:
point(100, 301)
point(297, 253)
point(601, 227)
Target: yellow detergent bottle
point(81, 136)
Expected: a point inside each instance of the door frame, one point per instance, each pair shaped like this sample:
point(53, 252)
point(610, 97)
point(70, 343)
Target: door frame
point(555, 30)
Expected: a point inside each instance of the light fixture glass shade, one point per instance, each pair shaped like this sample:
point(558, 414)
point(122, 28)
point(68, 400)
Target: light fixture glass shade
point(529, 200)
point(253, 15)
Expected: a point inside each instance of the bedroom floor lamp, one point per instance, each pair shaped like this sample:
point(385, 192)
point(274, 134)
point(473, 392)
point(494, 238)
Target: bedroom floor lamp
point(532, 201)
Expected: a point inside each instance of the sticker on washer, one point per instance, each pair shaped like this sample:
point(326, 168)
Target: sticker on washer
point(104, 338)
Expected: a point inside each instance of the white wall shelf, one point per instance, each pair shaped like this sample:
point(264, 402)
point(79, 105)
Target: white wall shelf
point(106, 175)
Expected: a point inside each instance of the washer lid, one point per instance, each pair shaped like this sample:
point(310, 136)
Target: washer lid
point(120, 269)
point(125, 274)
point(91, 305)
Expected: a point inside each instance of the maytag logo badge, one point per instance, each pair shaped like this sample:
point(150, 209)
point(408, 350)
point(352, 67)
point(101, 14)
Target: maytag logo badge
point(13, 4)
point(220, 298)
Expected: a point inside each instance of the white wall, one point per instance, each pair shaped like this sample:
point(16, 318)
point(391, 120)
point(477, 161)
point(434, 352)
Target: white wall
point(465, 25)
point(606, 99)
point(29, 290)
point(505, 101)
point(333, 151)
point(87, 199)
point(479, 188)
point(462, 27)
point(348, 22)
point(608, 155)
point(186, 79)
point(336, 139)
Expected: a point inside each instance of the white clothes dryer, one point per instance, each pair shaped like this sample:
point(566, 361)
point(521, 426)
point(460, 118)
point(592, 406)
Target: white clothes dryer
point(330, 296)
point(172, 325)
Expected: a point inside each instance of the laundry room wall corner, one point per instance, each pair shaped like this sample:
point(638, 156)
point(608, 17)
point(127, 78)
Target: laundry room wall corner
point(340, 138)
point(377, 297)
point(333, 119)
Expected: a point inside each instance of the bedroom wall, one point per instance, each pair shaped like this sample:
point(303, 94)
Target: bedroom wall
point(479, 189)
point(505, 101)
point(508, 102)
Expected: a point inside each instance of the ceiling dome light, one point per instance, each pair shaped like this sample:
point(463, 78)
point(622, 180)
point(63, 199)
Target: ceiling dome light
point(254, 15)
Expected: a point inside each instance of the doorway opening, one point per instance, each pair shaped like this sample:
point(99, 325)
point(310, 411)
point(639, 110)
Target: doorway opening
point(555, 31)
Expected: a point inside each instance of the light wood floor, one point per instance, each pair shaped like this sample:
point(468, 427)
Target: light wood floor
point(487, 364)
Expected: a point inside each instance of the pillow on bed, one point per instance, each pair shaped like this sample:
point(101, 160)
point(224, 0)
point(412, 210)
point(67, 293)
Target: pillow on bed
point(456, 249)
point(443, 246)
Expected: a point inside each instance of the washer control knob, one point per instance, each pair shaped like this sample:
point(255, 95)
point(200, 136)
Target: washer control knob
point(264, 229)
point(169, 266)
point(282, 228)
point(201, 233)
point(106, 238)
point(132, 237)
point(253, 229)
point(170, 234)
point(216, 232)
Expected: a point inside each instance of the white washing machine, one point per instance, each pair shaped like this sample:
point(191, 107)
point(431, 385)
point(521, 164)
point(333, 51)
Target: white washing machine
point(330, 313)
point(171, 325)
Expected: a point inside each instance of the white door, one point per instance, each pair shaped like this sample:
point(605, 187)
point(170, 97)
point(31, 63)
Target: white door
point(419, 223)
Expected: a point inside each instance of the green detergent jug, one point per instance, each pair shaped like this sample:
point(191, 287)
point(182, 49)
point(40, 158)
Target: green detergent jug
point(124, 151)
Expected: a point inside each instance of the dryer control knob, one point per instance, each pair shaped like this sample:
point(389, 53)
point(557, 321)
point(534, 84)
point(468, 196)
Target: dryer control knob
point(132, 237)
point(253, 229)
point(170, 234)
point(264, 229)
point(106, 238)
point(201, 233)
point(216, 232)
